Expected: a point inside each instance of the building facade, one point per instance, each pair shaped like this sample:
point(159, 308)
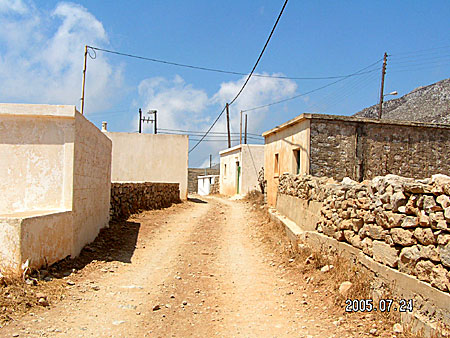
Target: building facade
point(358, 148)
point(239, 167)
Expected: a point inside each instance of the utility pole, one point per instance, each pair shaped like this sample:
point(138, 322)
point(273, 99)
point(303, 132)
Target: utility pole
point(240, 131)
point(210, 161)
point(228, 126)
point(245, 137)
point(383, 73)
point(84, 80)
point(148, 119)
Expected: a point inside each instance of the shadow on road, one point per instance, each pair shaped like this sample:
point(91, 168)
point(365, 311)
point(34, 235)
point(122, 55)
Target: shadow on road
point(196, 200)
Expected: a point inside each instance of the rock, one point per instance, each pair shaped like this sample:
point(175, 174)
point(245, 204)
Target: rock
point(429, 204)
point(385, 254)
point(344, 288)
point(327, 268)
point(444, 254)
point(157, 307)
point(403, 237)
point(185, 302)
point(398, 199)
point(425, 236)
point(374, 332)
point(397, 328)
point(43, 302)
point(447, 214)
point(409, 222)
point(373, 231)
point(443, 239)
point(429, 252)
point(439, 278)
point(394, 220)
point(367, 246)
point(41, 295)
point(423, 270)
point(424, 220)
point(443, 200)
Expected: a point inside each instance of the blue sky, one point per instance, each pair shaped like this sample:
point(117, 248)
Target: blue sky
point(42, 45)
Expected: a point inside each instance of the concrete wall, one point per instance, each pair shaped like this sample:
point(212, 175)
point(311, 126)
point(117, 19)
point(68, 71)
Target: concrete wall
point(55, 185)
point(150, 158)
point(283, 143)
point(205, 183)
point(92, 182)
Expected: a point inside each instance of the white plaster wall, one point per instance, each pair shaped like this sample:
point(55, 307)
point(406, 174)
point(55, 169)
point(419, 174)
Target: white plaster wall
point(228, 180)
point(36, 163)
point(252, 162)
point(150, 158)
point(91, 182)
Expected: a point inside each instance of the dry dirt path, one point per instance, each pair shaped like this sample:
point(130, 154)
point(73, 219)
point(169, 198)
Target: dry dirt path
point(198, 270)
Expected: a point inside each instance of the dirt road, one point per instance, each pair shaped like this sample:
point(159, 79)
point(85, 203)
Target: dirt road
point(198, 269)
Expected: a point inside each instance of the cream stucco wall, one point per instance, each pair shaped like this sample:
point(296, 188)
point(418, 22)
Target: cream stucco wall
point(92, 182)
point(251, 160)
point(55, 169)
point(283, 143)
point(150, 158)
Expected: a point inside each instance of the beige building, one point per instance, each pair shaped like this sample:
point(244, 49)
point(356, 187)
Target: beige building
point(150, 158)
point(239, 167)
point(55, 168)
point(358, 148)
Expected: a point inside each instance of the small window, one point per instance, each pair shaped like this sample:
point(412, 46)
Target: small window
point(276, 168)
point(224, 170)
point(297, 161)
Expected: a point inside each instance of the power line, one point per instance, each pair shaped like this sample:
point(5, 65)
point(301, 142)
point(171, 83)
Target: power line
point(221, 70)
point(260, 54)
point(248, 78)
point(202, 132)
point(313, 90)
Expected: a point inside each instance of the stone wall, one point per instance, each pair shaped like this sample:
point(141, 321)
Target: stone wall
point(132, 198)
point(363, 149)
point(215, 187)
point(402, 223)
point(193, 173)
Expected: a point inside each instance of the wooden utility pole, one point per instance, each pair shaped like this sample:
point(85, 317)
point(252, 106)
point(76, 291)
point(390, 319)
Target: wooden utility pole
point(155, 122)
point(245, 137)
point(140, 120)
point(383, 73)
point(210, 161)
point(228, 126)
point(240, 131)
point(84, 79)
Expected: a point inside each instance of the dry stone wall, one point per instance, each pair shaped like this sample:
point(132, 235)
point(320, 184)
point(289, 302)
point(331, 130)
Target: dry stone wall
point(132, 198)
point(400, 222)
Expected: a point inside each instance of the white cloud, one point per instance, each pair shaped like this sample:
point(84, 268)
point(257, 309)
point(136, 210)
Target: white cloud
point(181, 106)
point(41, 65)
point(13, 6)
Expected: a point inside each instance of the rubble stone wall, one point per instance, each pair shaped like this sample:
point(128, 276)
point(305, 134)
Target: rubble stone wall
point(402, 223)
point(132, 198)
point(215, 187)
point(363, 150)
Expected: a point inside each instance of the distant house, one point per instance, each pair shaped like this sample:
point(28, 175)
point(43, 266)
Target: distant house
point(359, 148)
point(239, 167)
point(206, 183)
point(150, 158)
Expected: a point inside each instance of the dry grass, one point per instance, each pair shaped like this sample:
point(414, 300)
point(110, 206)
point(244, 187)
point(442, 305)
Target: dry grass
point(308, 262)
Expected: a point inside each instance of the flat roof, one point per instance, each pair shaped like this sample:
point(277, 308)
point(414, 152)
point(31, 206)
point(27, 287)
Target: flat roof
point(239, 146)
point(37, 110)
point(307, 116)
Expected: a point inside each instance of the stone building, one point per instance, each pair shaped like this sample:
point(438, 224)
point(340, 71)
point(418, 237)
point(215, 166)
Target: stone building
point(358, 148)
point(239, 167)
point(150, 158)
point(55, 183)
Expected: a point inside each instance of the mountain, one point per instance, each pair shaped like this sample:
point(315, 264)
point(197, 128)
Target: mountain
point(424, 104)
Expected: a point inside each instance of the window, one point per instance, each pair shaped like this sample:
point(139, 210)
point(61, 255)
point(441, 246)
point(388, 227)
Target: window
point(276, 168)
point(224, 170)
point(297, 161)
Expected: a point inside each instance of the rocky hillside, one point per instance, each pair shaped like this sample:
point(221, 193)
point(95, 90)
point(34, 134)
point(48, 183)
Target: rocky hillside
point(424, 104)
